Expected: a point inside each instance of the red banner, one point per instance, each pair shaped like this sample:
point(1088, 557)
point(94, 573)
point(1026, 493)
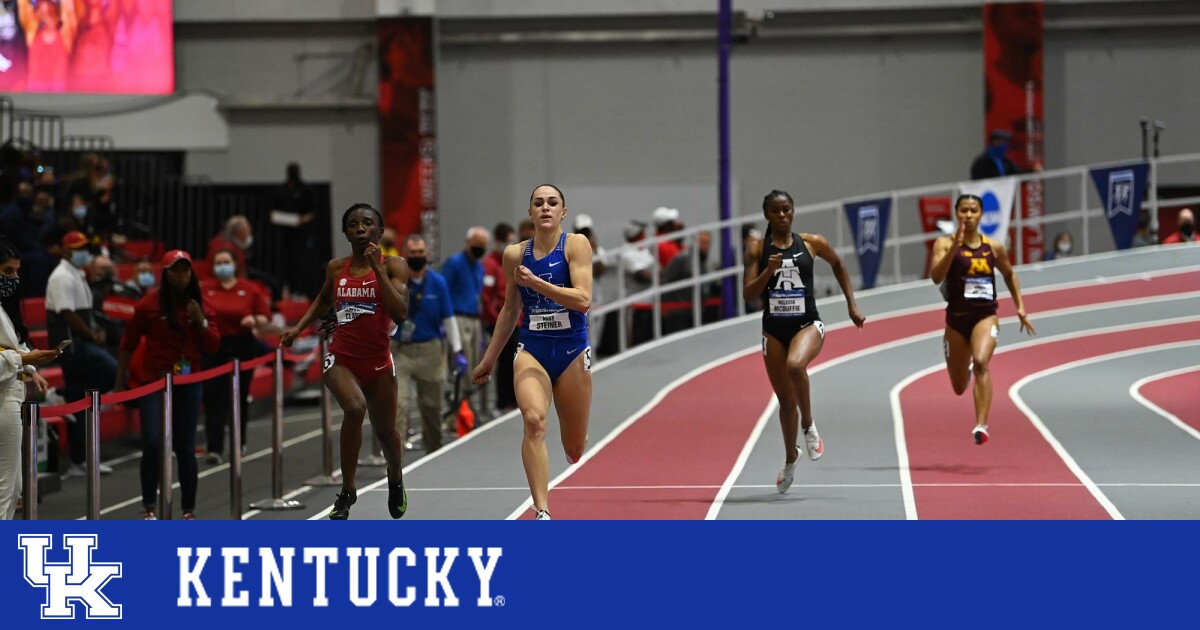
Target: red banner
point(407, 145)
point(1012, 52)
point(933, 209)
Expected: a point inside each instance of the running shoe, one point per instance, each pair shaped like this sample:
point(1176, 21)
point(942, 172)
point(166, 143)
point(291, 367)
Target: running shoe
point(783, 480)
point(149, 515)
point(397, 499)
point(813, 443)
point(189, 516)
point(980, 433)
point(341, 505)
point(542, 515)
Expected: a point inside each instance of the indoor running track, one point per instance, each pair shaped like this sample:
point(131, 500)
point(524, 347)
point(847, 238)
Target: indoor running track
point(1095, 417)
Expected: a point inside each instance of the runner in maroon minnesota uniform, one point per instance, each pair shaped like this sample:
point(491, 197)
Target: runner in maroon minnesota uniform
point(964, 265)
point(370, 296)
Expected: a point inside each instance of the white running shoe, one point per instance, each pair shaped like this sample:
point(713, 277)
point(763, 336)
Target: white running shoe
point(980, 433)
point(542, 515)
point(783, 480)
point(814, 444)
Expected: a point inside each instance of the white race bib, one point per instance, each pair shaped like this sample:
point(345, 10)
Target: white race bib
point(978, 289)
point(550, 321)
point(349, 311)
point(789, 303)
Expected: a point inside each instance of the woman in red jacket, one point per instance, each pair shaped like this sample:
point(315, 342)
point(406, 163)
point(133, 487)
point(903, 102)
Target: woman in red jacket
point(179, 331)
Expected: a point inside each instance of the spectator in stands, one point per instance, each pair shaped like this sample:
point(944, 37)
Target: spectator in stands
point(749, 235)
point(678, 313)
point(525, 230)
point(464, 277)
point(236, 238)
point(994, 162)
point(112, 301)
point(638, 263)
point(1144, 235)
point(585, 225)
point(297, 204)
point(387, 242)
point(1185, 231)
point(495, 284)
point(145, 276)
point(242, 313)
point(14, 48)
point(18, 365)
point(1062, 247)
point(29, 223)
point(666, 220)
point(69, 316)
point(419, 348)
point(183, 329)
point(77, 220)
point(51, 33)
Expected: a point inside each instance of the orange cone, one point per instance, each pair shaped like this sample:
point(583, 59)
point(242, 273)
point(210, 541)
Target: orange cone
point(466, 419)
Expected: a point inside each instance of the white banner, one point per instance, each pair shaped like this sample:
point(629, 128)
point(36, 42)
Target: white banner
point(997, 195)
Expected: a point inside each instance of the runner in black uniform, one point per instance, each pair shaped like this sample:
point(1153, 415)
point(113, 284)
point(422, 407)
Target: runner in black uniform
point(779, 269)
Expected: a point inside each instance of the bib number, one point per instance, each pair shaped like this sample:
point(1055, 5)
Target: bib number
point(978, 289)
point(327, 363)
point(550, 321)
point(788, 303)
point(350, 311)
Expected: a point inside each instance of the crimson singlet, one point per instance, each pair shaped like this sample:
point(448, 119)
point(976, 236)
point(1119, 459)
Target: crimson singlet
point(363, 324)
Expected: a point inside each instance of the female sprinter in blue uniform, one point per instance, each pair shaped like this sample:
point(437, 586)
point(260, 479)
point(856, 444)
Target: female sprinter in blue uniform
point(552, 283)
point(964, 265)
point(779, 269)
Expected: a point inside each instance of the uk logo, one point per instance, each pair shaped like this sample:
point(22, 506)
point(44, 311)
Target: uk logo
point(868, 229)
point(1120, 193)
point(77, 581)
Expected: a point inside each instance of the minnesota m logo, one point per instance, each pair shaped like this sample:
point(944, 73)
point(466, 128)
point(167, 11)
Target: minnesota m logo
point(79, 580)
point(980, 265)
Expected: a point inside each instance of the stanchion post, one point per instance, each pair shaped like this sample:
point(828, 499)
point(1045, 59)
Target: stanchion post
point(164, 457)
point(326, 478)
point(30, 413)
point(92, 442)
point(235, 442)
point(277, 502)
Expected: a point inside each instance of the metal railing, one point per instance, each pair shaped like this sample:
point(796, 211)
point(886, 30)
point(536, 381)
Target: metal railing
point(1067, 194)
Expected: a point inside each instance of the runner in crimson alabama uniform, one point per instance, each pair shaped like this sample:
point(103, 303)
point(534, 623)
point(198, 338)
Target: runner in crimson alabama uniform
point(369, 294)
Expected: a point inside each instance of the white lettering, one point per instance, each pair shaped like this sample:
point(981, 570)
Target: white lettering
point(356, 292)
point(354, 553)
point(189, 578)
point(436, 576)
point(271, 575)
point(410, 593)
point(321, 555)
point(484, 572)
point(233, 596)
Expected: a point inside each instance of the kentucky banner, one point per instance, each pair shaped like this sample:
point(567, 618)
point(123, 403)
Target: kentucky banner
point(407, 144)
point(997, 195)
point(1122, 189)
point(868, 222)
point(590, 574)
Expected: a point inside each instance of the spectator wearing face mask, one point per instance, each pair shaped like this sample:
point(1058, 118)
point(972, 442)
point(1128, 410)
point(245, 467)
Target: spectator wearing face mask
point(994, 162)
point(70, 316)
point(1062, 247)
point(387, 242)
point(77, 219)
point(241, 311)
point(464, 277)
point(112, 301)
point(236, 237)
point(144, 277)
point(29, 223)
point(1186, 230)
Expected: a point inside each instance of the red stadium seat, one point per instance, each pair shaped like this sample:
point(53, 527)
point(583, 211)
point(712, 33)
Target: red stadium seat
point(33, 311)
point(144, 250)
point(53, 375)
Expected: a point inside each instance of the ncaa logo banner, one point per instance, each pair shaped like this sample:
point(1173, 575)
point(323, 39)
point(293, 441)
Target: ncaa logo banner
point(1122, 189)
point(997, 195)
point(868, 223)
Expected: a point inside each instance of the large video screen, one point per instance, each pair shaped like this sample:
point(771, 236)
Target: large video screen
point(88, 46)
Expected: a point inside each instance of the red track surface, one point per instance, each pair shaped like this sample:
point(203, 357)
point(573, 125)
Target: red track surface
point(695, 434)
point(937, 427)
point(1177, 395)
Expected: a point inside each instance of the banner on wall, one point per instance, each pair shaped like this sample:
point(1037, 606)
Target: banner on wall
point(933, 210)
point(407, 142)
point(1012, 46)
point(868, 223)
point(997, 195)
point(1122, 189)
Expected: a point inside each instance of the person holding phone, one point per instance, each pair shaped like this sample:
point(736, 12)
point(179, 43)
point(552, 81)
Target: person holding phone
point(18, 366)
point(182, 329)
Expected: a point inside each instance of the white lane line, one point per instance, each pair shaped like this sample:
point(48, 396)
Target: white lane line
point(897, 413)
point(743, 457)
point(650, 404)
point(1135, 392)
point(290, 495)
point(1014, 393)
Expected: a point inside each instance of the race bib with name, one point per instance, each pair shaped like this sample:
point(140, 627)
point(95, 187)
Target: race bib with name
point(786, 303)
point(978, 289)
point(550, 321)
point(350, 311)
